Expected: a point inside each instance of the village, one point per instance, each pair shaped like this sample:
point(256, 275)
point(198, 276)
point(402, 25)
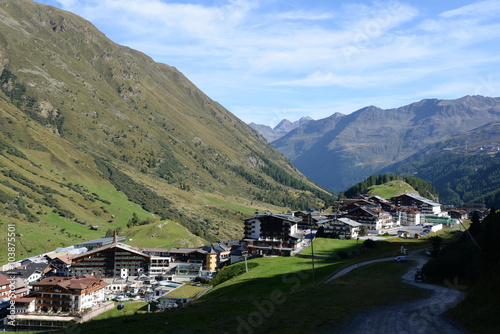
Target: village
point(76, 283)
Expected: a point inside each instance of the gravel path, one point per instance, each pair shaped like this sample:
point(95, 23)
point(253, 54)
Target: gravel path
point(422, 316)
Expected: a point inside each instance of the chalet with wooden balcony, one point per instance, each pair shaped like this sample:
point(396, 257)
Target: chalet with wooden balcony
point(4, 287)
point(66, 294)
point(424, 205)
point(113, 260)
point(373, 217)
point(341, 228)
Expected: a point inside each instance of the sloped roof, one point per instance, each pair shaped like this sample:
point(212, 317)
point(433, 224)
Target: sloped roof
point(349, 221)
point(66, 258)
point(109, 246)
point(100, 240)
point(24, 299)
point(54, 255)
point(71, 283)
point(276, 215)
point(186, 250)
point(4, 280)
point(217, 248)
point(421, 199)
point(367, 209)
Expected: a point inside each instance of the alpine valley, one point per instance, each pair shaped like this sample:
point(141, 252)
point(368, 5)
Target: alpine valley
point(454, 144)
point(97, 137)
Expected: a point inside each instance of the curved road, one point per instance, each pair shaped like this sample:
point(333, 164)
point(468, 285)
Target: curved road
point(420, 316)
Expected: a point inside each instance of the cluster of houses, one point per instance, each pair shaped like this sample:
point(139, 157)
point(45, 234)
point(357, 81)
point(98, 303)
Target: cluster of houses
point(282, 234)
point(74, 283)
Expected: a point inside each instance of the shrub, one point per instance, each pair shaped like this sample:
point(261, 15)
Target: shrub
point(229, 272)
point(369, 243)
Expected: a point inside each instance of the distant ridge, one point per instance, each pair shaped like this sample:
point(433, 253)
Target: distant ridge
point(341, 150)
point(283, 127)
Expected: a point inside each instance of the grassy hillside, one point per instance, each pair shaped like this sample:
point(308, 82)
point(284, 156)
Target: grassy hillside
point(92, 132)
point(391, 189)
point(390, 185)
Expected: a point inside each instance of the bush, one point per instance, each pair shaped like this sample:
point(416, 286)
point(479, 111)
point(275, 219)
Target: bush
point(369, 243)
point(229, 272)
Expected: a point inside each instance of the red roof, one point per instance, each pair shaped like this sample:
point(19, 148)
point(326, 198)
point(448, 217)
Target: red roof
point(71, 283)
point(4, 280)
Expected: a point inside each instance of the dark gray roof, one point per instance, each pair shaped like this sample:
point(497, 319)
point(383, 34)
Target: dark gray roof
point(421, 199)
point(100, 240)
point(279, 216)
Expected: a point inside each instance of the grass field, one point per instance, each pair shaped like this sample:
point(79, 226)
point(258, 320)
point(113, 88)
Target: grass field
point(186, 291)
point(330, 247)
point(130, 308)
point(162, 234)
point(390, 189)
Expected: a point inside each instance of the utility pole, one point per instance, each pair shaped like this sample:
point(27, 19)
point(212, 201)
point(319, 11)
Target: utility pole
point(245, 255)
point(312, 247)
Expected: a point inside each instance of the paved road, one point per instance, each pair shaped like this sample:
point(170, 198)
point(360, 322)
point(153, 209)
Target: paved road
point(422, 316)
point(350, 268)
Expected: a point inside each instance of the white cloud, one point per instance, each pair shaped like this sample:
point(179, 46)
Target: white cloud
point(265, 55)
point(477, 9)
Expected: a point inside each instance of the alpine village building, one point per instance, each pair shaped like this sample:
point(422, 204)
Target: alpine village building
point(272, 234)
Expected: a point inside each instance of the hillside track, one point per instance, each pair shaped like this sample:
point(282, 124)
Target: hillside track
point(422, 316)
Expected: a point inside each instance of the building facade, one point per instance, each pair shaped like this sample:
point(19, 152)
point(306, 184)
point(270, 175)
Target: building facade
point(67, 294)
point(424, 205)
point(272, 234)
point(341, 228)
point(113, 260)
point(373, 217)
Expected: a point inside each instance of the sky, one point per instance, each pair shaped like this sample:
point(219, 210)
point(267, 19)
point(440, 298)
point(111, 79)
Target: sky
point(268, 60)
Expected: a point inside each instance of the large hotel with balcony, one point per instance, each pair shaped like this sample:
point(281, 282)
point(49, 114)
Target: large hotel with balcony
point(272, 234)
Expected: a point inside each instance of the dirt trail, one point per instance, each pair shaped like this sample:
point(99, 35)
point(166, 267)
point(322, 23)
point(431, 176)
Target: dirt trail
point(422, 316)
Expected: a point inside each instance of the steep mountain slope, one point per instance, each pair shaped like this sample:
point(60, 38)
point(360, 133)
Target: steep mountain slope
point(339, 151)
point(101, 121)
point(464, 168)
point(283, 127)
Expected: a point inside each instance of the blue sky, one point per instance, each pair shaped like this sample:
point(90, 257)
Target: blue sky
point(266, 60)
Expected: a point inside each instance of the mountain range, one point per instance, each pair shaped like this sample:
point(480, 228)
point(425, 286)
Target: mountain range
point(93, 132)
point(338, 151)
point(464, 168)
point(283, 127)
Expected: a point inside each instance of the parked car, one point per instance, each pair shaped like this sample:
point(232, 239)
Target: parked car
point(401, 258)
point(419, 276)
point(121, 298)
